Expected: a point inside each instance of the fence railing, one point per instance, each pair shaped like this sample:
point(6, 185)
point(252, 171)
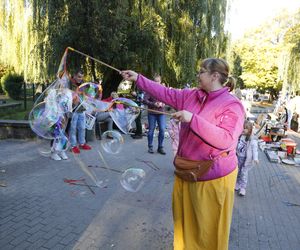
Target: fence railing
point(32, 91)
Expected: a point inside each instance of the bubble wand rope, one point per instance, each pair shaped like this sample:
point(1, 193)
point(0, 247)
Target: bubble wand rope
point(156, 111)
point(105, 64)
point(151, 110)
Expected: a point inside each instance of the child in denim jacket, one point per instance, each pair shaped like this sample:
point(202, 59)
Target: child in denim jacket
point(247, 155)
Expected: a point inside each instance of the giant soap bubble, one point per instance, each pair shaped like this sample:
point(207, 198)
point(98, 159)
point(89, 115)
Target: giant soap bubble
point(47, 118)
point(133, 179)
point(43, 121)
point(59, 100)
point(112, 142)
point(90, 94)
point(43, 146)
point(90, 89)
point(124, 112)
point(61, 142)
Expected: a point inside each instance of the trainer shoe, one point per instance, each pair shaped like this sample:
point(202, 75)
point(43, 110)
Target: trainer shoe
point(63, 155)
point(242, 192)
point(237, 187)
point(55, 156)
point(75, 150)
point(137, 136)
point(85, 147)
point(161, 151)
point(150, 150)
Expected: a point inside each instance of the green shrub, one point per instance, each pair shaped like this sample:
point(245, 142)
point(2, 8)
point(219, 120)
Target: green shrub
point(12, 85)
point(3, 70)
point(1, 90)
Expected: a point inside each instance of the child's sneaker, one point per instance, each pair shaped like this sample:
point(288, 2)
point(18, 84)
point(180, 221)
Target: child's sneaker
point(150, 150)
point(242, 192)
point(237, 187)
point(161, 151)
point(63, 155)
point(75, 150)
point(55, 156)
point(85, 147)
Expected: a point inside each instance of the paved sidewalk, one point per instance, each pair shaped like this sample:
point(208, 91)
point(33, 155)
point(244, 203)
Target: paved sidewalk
point(39, 211)
point(268, 217)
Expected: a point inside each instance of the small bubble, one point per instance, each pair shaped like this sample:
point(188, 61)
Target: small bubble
point(133, 179)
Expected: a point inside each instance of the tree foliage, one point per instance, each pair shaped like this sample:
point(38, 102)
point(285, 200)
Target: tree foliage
point(12, 85)
point(267, 57)
point(291, 70)
point(168, 37)
point(3, 71)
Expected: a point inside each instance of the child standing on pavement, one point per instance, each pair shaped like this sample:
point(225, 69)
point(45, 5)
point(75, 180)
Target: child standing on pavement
point(247, 154)
point(173, 129)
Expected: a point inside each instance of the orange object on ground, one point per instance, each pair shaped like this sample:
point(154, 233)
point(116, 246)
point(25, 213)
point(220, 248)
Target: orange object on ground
point(266, 138)
point(291, 148)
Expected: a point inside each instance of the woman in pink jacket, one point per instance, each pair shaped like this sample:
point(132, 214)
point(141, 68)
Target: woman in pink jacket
point(206, 163)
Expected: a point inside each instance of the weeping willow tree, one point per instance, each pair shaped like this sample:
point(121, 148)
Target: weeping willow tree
point(15, 34)
point(194, 31)
point(168, 37)
point(291, 72)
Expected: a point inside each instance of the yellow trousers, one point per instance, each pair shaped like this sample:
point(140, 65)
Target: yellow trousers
point(202, 213)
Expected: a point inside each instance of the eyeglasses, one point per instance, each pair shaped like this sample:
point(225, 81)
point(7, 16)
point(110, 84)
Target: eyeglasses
point(202, 71)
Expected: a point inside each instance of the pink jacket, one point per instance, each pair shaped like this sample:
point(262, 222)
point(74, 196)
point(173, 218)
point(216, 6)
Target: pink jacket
point(216, 125)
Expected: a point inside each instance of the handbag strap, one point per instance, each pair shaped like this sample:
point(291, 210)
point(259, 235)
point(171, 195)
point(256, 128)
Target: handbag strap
point(223, 154)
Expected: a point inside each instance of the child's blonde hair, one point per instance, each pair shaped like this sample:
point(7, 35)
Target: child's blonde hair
point(248, 125)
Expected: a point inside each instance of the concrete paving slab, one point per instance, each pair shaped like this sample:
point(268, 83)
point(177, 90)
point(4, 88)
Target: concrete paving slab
point(39, 211)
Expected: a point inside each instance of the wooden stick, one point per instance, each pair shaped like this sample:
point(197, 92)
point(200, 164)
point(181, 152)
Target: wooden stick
point(138, 107)
point(80, 184)
point(119, 71)
point(112, 169)
point(156, 111)
point(83, 54)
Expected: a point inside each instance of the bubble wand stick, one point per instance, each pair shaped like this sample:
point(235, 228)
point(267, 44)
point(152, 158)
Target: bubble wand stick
point(83, 54)
point(138, 107)
point(119, 71)
point(156, 111)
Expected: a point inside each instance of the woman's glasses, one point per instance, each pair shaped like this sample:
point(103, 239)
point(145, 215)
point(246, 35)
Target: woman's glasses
point(202, 71)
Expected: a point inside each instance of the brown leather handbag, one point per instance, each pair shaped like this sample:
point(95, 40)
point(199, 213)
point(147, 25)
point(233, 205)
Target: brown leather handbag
point(191, 170)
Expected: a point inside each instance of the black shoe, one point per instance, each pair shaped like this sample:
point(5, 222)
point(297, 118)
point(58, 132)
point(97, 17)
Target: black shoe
point(161, 151)
point(137, 136)
point(151, 151)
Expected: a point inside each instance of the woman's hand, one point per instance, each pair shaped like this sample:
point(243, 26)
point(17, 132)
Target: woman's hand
point(159, 104)
point(129, 75)
point(183, 116)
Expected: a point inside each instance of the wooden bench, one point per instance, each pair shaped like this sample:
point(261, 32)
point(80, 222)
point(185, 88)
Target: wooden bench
point(10, 105)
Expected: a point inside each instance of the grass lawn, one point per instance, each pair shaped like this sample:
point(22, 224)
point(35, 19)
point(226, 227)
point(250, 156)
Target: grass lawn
point(15, 113)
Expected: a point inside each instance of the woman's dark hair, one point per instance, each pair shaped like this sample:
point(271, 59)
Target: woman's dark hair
point(220, 66)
